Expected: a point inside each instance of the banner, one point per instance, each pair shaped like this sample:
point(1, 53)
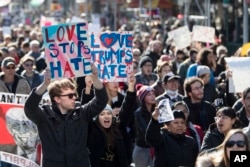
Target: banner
point(67, 50)
point(112, 54)
point(18, 135)
point(16, 160)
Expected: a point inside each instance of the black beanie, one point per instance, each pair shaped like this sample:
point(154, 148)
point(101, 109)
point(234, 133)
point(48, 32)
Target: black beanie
point(178, 114)
point(144, 60)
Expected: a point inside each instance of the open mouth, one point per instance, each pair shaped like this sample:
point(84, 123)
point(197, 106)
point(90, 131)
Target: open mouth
point(220, 126)
point(107, 122)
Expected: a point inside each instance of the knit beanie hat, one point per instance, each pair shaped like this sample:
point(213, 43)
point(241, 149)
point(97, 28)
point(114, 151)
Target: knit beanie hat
point(178, 114)
point(144, 60)
point(142, 91)
point(201, 70)
point(108, 107)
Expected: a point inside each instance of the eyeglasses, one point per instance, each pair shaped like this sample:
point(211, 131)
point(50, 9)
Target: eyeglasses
point(10, 67)
point(239, 143)
point(28, 65)
point(70, 95)
point(198, 88)
point(221, 117)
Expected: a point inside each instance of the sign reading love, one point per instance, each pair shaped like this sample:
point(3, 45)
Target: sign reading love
point(112, 54)
point(111, 40)
point(108, 40)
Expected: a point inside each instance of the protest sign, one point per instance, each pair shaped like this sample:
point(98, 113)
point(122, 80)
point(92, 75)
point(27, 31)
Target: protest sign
point(67, 50)
point(203, 34)
point(16, 129)
point(21, 98)
point(181, 37)
point(47, 21)
point(112, 54)
point(19, 135)
point(165, 110)
point(12, 159)
point(240, 73)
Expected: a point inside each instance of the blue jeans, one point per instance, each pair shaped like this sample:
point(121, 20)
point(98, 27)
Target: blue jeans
point(141, 157)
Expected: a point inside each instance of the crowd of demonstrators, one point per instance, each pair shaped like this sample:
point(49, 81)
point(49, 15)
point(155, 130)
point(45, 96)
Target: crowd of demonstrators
point(194, 79)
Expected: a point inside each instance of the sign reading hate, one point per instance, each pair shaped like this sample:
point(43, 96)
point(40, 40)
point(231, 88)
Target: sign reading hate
point(112, 54)
point(67, 50)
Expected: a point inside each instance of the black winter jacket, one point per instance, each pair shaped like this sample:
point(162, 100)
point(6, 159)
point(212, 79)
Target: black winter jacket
point(243, 117)
point(64, 139)
point(201, 114)
point(171, 150)
point(97, 139)
point(212, 138)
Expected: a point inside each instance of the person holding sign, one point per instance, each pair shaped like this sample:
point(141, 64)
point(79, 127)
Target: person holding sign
point(63, 126)
point(108, 137)
point(172, 146)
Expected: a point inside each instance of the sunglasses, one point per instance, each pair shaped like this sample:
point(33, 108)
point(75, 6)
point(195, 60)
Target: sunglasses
point(239, 143)
point(29, 65)
point(10, 68)
point(70, 95)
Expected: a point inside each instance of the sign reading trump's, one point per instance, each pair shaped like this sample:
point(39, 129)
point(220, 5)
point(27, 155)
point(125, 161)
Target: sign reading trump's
point(67, 50)
point(112, 54)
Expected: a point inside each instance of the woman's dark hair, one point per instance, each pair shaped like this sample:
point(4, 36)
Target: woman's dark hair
point(230, 112)
point(202, 56)
point(111, 133)
point(144, 108)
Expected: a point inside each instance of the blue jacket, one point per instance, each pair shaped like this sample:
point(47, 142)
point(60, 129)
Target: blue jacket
point(192, 71)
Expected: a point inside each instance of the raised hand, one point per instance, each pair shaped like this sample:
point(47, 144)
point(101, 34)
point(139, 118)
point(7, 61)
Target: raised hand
point(131, 82)
point(47, 76)
point(94, 77)
point(94, 70)
point(88, 81)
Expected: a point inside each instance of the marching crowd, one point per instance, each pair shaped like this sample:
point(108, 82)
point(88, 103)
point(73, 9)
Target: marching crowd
point(111, 124)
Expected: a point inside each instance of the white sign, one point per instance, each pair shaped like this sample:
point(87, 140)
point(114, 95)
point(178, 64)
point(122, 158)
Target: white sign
point(76, 19)
point(181, 37)
point(21, 98)
point(240, 73)
point(16, 160)
point(203, 34)
point(165, 110)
